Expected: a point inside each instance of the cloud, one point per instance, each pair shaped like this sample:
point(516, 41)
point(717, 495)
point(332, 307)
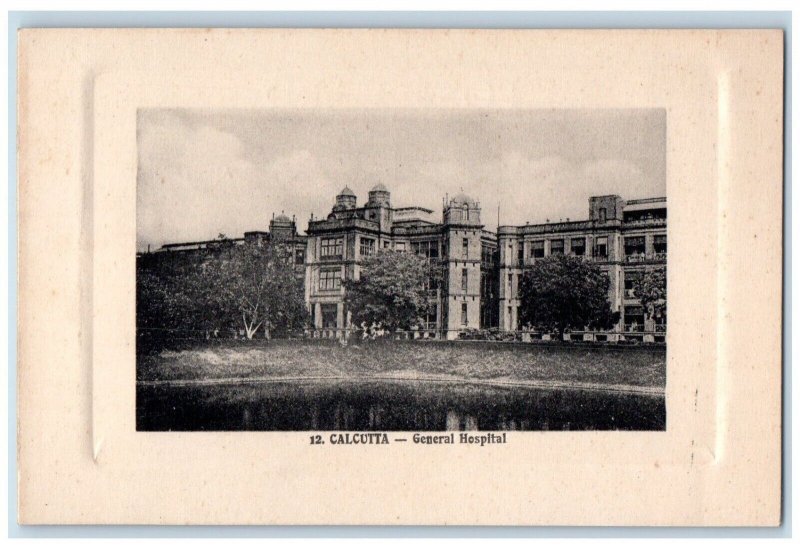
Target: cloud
point(205, 172)
point(196, 182)
point(555, 187)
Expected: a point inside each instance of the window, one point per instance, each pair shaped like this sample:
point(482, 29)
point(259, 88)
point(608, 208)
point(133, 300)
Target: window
point(602, 215)
point(634, 245)
point(330, 279)
point(465, 247)
point(601, 247)
point(463, 314)
point(578, 246)
point(386, 244)
point(520, 256)
point(427, 248)
point(367, 246)
point(511, 283)
point(331, 248)
point(299, 256)
point(430, 318)
point(556, 247)
point(634, 319)
point(537, 248)
point(487, 254)
point(464, 279)
point(631, 278)
point(329, 314)
point(660, 243)
point(400, 246)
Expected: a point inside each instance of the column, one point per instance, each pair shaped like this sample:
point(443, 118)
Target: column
point(340, 315)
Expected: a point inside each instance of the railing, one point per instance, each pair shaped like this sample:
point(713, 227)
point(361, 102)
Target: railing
point(631, 334)
point(349, 222)
point(653, 221)
point(642, 257)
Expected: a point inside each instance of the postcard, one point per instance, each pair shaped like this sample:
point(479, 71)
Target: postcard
point(405, 277)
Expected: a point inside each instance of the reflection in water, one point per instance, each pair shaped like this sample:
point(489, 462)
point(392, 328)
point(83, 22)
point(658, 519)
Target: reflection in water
point(389, 406)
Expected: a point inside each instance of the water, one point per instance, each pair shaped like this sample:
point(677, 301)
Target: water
point(389, 406)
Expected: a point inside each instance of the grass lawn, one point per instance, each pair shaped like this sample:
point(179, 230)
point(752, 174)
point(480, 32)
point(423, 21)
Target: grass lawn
point(637, 367)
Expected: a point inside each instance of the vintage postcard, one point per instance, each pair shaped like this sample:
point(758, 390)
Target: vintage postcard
point(438, 264)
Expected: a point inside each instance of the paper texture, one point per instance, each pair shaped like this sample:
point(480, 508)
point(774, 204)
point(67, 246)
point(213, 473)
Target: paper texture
point(80, 457)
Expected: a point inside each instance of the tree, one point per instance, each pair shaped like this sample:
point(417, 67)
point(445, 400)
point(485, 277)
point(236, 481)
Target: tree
point(391, 290)
point(651, 289)
point(562, 292)
point(254, 286)
point(166, 306)
point(228, 287)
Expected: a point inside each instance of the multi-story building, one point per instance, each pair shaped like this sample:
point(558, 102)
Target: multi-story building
point(481, 270)
point(466, 253)
point(623, 237)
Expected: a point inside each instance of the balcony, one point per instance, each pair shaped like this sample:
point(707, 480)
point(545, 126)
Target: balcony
point(634, 327)
point(321, 226)
point(641, 257)
point(646, 222)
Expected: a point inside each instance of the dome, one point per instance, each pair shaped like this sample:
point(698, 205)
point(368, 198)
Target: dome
point(462, 198)
point(379, 188)
point(347, 192)
point(282, 218)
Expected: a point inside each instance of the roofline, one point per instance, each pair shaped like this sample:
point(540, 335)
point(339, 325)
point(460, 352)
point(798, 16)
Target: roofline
point(198, 243)
point(647, 200)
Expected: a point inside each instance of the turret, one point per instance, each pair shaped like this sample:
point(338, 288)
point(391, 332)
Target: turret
point(345, 200)
point(282, 226)
point(462, 210)
point(379, 196)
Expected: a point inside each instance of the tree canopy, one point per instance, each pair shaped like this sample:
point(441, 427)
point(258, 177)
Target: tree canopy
point(231, 287)
point(651, 289)
point(562, 292)
point(391, 290)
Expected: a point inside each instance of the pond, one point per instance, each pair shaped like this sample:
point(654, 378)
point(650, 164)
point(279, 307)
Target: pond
point(389, 406)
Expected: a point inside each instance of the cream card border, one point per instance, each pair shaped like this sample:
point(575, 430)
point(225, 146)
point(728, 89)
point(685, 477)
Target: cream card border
point(80, 458)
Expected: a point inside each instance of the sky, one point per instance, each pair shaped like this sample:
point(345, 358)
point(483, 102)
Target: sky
point(206, 172)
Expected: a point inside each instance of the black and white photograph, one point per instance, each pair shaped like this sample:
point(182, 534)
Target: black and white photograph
point(391, 270)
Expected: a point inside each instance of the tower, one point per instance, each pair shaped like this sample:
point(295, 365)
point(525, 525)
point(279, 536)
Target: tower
point(379, 207)
point(462, 233)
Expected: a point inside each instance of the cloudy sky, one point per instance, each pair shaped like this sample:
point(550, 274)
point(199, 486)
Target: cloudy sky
point(202, 173)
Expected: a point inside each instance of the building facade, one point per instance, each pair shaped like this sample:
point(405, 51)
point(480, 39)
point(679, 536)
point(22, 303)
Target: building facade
point(623, 237)
point(465, 298)
point(481, 270)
